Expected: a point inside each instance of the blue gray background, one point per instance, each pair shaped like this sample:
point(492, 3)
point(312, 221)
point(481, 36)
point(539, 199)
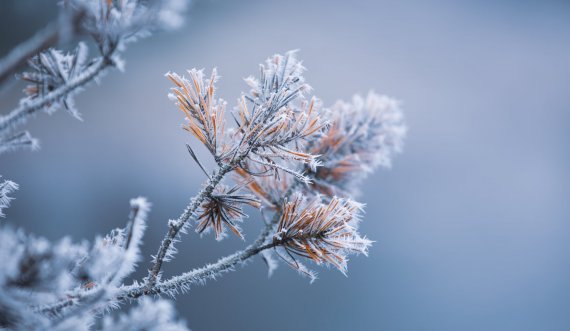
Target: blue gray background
point(471, 224)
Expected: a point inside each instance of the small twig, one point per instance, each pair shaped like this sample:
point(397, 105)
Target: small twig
point(195, 276)
point(177, 225)
point(223, 265)
point(29, 108)
point(19, 55)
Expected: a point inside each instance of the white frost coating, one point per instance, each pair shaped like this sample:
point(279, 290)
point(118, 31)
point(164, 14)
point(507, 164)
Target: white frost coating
point(6, 187)
point(34, 272)
point(273, 123)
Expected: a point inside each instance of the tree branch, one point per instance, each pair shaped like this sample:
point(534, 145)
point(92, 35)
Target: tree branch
point(195, 276)
point(29, 108)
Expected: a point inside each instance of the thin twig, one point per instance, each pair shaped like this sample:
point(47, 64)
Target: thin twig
point(177, 225)
point(29, 108)
point(19, 55)
point(199, 275)
point(196, 276)
point(223, 265)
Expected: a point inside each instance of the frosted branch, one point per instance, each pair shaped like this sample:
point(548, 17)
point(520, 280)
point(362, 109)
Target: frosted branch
point(29, 108)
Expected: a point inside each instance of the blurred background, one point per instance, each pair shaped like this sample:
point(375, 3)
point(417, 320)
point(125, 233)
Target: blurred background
point(471, 224)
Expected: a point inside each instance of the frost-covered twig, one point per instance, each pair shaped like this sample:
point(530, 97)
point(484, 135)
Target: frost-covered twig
point(148, 316)
point(6, 187)
point(19, 141)
point(182, 283)
point(36, 274)
point(321, 232)
point(56, 77)
point(26, 109)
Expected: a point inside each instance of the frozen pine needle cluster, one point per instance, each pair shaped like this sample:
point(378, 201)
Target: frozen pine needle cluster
point(277, 149)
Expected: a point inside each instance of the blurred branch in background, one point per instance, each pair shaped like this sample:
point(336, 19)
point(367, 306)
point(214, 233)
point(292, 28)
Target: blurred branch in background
point(57, 76)
point(60, 31)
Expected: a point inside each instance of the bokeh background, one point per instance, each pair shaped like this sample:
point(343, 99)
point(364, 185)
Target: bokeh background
point(471, 224)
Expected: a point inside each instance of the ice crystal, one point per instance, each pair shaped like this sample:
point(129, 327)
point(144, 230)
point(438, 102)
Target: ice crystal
point(55, 76)
point(113, 23)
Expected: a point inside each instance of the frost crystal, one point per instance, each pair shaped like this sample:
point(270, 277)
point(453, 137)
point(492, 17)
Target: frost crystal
point(6, 187)
point(114, 23)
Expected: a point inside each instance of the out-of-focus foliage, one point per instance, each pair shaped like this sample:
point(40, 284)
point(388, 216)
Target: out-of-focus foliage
point(56, 77)
point(84, 278)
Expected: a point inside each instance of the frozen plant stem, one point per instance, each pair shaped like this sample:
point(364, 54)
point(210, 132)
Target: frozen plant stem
point(19, 55)
point(177, 225)
point(210, 271)
point(199, 275)
point(29, 108)
point(183, 281)
point(229, 261)
point(281, 139)
point(196, 276)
